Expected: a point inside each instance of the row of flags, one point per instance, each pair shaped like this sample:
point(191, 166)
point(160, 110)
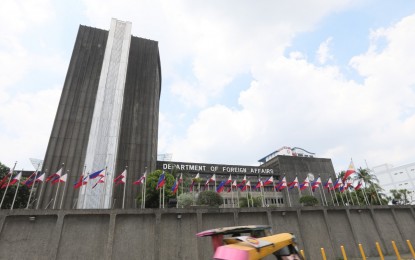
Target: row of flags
point(340, 184)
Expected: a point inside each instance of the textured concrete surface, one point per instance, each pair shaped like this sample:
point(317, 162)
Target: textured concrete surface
point(170, 233)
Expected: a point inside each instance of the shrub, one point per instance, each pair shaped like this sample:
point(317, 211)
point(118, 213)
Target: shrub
point(185, 200)
point(209, 198)
point(308, 200)
point(257, 202)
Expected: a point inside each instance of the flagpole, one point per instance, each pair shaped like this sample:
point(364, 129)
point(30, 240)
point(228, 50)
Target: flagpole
point(322, 192)
point(288, 195)
point(321, 195)
point(163, 193)
point(7, 187)
point(56, 195)
point(83, 187)
point(334, 191)
point(105, 187)
point(357, 198)
point(145, 190)
point(15, 194)
point(64, 189)
point(125, 184)
point(41, 189)
point(247, 196)
point(275, 192)
point(33, 184)
point(57, 190)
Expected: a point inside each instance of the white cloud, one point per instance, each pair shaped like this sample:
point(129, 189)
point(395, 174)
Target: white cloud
point(26, 122)
point(323, 52)
point(293, 102)
point(26, 116)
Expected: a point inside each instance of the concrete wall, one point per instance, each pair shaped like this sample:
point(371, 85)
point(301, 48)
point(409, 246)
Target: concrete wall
point(170, 233)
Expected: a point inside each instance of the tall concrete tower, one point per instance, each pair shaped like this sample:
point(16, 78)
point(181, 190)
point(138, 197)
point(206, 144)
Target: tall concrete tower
point(107, 118)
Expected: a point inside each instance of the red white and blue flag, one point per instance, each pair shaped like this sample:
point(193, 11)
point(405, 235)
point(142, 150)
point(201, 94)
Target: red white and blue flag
point(259, 184)
point(141, 180)
point(5, 180)
point(337, 184)
point(327, 184)
point(120, 179)
point(175, 186)
point(100, 173)
point(293, 184)
point(194, 181)
point(315, 184)
point(14, 180)
point(101, 180)
point(82, 181)
point(229, 181)
point(211, 179)
point(359, 185)
point(181, 178)
point(221, 186)
point(281, 185)
point(241, 185)
point(248, 184)
point(161, 181)
point(234, 185)
point(55, 176)
point(270, 180)
point(29, 181)
point(305, 184)
point(349, 171)
point(61, 179)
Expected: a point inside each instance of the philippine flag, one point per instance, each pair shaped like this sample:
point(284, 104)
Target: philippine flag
point(221, 186)
point(100, 173)
point(270, 180)
point(349, 171)
point(161, 182)
point(55, 176)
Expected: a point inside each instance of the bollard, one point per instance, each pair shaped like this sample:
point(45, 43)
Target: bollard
point(398, 256)
point(323, 254)
point(380, 251)
point(302, 253)
point(411, 248)
point(343, 253)
point(362, 252)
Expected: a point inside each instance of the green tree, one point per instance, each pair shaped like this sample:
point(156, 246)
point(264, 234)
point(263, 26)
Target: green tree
point(22, 194)
point(185, 200)
point(153, 195)
point(308, 200)
point(401, 197)
point(368, 178)
point(209, 198)
point(253, 201)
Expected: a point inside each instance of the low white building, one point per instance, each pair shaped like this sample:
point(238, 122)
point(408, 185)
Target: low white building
point(398, 178)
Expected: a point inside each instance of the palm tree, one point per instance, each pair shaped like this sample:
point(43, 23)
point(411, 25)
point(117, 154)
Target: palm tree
point(371, 186)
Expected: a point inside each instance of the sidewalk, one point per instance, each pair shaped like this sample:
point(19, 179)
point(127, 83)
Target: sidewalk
point(390, 257)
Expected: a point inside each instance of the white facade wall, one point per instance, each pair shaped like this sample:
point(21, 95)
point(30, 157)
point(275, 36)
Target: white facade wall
point(398, 178)
point(105, 128)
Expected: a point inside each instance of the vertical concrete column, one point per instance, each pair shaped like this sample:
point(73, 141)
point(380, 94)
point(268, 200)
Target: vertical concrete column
point(56, 236)
point(111, 231)
point(2, 220)
point(300, 235)
point(236, 217)
point(372, 214)
point(157, 238)
point(356, 239)
point(269, 216)
point(331, 237)
point(199, 218)
point(412, 211)
point(397, 224)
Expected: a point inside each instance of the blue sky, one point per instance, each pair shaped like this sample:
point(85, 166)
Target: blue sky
point(240, 80)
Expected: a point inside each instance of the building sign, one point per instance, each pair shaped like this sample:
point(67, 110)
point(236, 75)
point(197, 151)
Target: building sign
point(213, 168)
